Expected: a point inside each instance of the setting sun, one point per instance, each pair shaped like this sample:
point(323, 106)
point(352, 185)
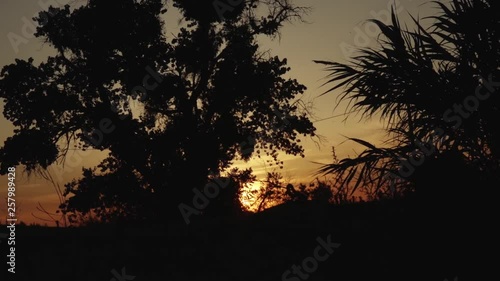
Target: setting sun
point(249, 195)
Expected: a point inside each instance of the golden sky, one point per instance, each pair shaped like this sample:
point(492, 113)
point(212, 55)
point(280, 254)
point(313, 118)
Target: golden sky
point(332, 25)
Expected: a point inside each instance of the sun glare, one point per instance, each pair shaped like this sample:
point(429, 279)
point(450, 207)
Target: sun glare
point(249, 195)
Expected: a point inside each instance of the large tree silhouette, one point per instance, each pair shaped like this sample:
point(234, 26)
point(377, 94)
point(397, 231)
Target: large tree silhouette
point(205, 98)
point(437, 91)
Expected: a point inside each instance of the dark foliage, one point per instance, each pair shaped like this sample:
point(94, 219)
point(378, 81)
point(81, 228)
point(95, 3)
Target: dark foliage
point(437, 91)
point(204, 99)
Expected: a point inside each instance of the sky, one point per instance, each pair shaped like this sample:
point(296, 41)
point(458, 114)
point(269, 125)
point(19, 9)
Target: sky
point(332, 29)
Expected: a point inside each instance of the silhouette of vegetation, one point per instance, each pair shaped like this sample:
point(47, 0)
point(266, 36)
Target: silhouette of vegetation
point(436, 90)
point(274, 190)
point(203, 99)
point(227, 202)
point(218, 98)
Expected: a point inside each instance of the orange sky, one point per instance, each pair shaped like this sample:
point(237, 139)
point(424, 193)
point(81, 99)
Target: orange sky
point(332, 25)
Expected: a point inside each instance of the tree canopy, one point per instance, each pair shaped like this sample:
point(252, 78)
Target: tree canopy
point(203, 99)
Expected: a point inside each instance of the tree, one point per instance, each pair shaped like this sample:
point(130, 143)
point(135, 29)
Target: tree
point(205, 98)
point(436, 90)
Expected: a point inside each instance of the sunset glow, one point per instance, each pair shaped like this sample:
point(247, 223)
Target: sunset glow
point(249, 195)
point(300, 44)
